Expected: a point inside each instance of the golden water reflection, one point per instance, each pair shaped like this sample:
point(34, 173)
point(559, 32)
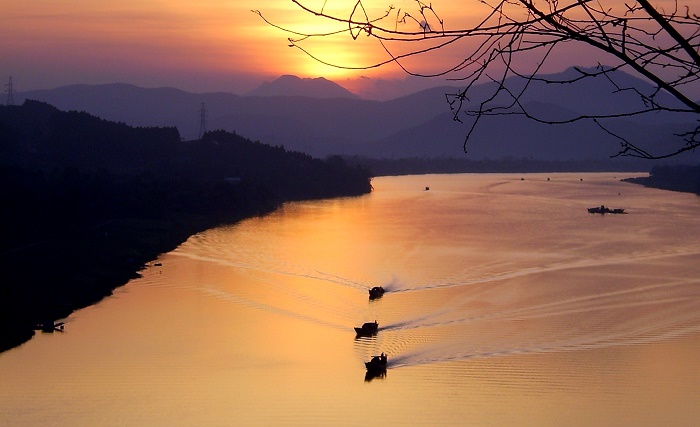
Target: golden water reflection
point(507, 304)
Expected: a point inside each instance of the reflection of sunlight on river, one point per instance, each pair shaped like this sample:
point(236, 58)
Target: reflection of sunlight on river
point(475, 270)
point(506, 304)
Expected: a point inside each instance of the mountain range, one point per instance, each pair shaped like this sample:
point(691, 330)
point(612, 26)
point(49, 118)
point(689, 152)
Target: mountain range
point(294, 86)
point(321, 118)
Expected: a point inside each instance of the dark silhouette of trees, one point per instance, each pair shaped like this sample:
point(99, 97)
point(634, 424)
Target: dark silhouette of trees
point(675, 178)
point(659, 45)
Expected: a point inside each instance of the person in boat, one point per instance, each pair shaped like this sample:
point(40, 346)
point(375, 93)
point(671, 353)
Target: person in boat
point(379, 359)
point(376, 292)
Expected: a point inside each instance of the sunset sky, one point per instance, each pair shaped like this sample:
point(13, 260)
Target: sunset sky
point(209, 45)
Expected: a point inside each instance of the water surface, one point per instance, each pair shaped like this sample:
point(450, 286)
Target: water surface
point(507, 304)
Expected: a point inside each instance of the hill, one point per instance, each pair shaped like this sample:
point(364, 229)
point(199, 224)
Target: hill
point(418, 125)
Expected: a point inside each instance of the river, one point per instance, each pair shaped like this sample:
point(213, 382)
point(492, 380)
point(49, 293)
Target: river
point(507, 303)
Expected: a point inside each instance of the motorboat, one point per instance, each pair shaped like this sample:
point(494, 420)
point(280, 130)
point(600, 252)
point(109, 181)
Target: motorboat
point(367, 329)
point(376, 292)
point(377, 365)
point(602, 209)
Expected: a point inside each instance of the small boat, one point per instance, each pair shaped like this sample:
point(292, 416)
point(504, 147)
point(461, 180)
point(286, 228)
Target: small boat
point(376, 292)
point(367, 329)
point(602, 209)
point(49, 326)
point(377, 365)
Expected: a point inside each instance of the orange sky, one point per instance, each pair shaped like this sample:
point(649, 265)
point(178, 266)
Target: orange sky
point(209, 45)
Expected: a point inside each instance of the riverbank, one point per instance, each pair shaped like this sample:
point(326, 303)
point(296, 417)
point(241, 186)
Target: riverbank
point(59, 275)
point(681, 178)
point(67, 246)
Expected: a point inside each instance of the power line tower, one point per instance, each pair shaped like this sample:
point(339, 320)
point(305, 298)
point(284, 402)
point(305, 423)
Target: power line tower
point(202, 121)
point(10, 93)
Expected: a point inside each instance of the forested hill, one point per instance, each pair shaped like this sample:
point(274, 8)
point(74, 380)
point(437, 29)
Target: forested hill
point(37, 136)
point(88, 202)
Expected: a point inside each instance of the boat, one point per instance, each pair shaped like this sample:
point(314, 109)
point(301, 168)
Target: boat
point(602, 209)
point(377, 365)
point(49, 326)
point(367, 329)
point(376, 292)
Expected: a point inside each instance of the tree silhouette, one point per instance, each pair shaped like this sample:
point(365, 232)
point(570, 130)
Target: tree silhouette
point(660, 46)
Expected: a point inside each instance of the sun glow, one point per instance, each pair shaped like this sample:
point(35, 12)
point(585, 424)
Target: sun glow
point(129, 41)
point(326, 46)
point(213, 44)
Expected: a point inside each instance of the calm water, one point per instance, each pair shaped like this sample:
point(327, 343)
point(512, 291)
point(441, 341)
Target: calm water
point(507, 304)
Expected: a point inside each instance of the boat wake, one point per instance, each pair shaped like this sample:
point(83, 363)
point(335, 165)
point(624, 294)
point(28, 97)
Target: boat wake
point(555, 267)
point(444, 354)
point(587, 323)
point(293, 271)
point(226, 296)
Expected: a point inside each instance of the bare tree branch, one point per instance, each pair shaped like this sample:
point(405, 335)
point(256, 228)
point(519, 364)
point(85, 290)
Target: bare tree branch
point(662, 47)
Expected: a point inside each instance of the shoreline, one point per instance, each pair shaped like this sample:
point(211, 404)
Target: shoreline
point(60, 276)
point(684, 179)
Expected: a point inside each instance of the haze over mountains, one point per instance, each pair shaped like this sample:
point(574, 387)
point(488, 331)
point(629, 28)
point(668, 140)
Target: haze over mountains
point(321, 118)
point(294, 86)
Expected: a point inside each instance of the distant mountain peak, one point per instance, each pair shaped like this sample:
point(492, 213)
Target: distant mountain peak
point(289, 85)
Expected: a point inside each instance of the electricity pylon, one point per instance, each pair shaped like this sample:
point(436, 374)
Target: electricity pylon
point(202, 121)
point(10, 93)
